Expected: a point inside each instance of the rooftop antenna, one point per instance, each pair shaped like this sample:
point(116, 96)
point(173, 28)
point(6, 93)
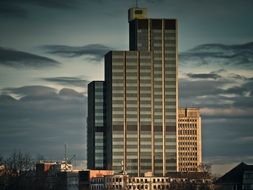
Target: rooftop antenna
point(67, 161)
point(136, 3)
point(65, 157)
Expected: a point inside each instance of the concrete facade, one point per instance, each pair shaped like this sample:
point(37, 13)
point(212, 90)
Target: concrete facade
point(189, 140)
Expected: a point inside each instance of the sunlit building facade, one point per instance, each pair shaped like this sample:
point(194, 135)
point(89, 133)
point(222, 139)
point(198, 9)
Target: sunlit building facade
point(129, 73)
point(141, 99)
point(142, 92)
point(189, 140)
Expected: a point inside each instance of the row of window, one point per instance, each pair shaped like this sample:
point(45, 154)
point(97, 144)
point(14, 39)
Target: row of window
point(187, 120)
point(188, 143)
point(187, 138)
point(187, 132)
point(188, 163)
point(187, 125)
point(187, 148)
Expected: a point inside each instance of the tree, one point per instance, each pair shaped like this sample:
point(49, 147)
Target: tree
point(2, 166)
point(205, 168)
point(19, 162)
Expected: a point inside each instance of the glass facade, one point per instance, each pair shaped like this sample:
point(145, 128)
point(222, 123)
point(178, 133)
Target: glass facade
point(141, 102)
point(159, 36)
point(131, 110)
point(96, 125)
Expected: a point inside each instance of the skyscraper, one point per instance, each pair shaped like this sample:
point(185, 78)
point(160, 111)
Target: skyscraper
point(189, 140)
point(142, 98)
point(128, 79)
point(96, 126)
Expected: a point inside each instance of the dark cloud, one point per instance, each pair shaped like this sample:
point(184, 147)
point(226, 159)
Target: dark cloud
point(70, 92)
point(203, 75)
point(245, 102)
point(193, 89)
point(93, 51)
point(7, 98)
point(42, 122)
point(31, 91)
point(24, 60)
point(69, 81)
point(56, 4)
point(244, 89)
point(236, 55)
point(18, 8)
point(212, 95)
point(10, 10)
point(237, 76)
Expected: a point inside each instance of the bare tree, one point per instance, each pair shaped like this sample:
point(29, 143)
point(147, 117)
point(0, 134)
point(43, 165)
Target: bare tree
point(18, 162)
point(205, 168)
point(2, 166)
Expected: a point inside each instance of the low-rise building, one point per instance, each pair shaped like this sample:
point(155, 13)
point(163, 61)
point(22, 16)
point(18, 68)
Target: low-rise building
point(68, 180)
point(86, 178)
point(239, 178)
point(173, 181)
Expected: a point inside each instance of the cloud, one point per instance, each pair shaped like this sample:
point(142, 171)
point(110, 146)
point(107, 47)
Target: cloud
point(10, 10)
point(194, 88)
point(69, 81)
point(245, 89)
point(227, 112)
point(247, 139)
point(7, 98)
point(43, 121)
point(93, 51)
point(56, 4)
point(237, 76)
point(207, 54)
point(226, 108)
point(31, 91)
point(203, 75)
point(18, 8)
point(70, 93)
point(214, 94)
point(24, 60)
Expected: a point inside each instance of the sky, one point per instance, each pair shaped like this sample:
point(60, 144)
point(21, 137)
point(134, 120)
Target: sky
point(51, 49)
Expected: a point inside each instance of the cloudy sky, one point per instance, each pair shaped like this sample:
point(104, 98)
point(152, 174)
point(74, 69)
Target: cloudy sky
point(51, 49)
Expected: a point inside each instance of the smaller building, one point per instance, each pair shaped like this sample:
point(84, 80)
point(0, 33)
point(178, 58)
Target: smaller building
point(189, 140)
point(96, 126)
point(174, 180)
point(86, 178)
point(68, 180)
point(239, 178)
point(56, 175)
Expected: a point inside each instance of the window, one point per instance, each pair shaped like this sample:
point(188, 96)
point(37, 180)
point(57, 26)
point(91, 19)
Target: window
point(138, 12)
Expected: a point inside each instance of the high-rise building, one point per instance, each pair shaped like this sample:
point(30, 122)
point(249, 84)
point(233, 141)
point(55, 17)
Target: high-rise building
point(189, 140)
point(96, 148)
point(142, 98)
point(142, 94)
point(129, 99)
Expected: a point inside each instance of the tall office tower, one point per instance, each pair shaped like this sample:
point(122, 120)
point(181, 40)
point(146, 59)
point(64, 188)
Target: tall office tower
point(189, 140)
point(129, 86)
point(142, 98)
point(96, 125)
